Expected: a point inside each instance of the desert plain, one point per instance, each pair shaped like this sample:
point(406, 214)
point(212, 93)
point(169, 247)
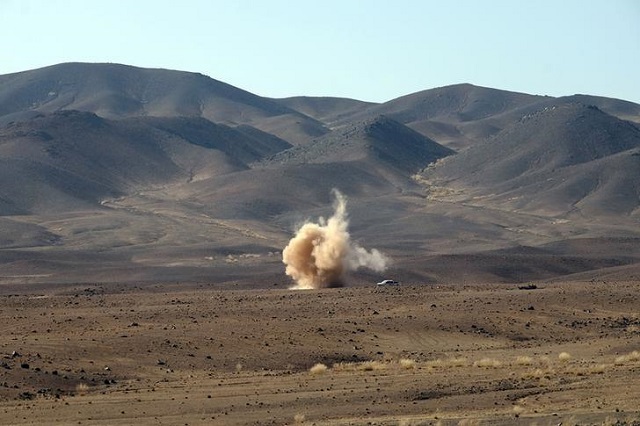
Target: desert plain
point(499, 354)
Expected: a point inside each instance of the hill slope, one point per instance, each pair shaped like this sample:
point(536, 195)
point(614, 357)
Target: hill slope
point(380, 141)
point(118, 91)
point(123, 174)
point(552, 161)
point(70, 159)
point(325, 109)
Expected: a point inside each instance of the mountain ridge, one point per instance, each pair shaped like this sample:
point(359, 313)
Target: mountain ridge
point(120, 91)
point(160, 175)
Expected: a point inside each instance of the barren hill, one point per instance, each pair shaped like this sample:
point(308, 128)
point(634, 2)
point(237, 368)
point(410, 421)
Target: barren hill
point(450, 115)
point(71, 159)
point(379, 140)
point(457, 103)
point(123, 174)
point(459, 115)
point(118, 91)
point(556, 160)
point(325, 109)
point(366, 159)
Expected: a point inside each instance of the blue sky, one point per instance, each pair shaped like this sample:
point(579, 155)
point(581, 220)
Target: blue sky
point(370, 50)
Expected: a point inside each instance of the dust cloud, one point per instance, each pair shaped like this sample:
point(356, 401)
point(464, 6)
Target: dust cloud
point(320, 254)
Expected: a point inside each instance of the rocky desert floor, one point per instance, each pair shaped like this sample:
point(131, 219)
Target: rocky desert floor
point(495, 354)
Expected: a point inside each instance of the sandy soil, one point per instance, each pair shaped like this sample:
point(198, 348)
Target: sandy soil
point(561, 353)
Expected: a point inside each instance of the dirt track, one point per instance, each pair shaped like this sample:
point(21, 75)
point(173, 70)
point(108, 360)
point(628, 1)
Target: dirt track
point(395, 355)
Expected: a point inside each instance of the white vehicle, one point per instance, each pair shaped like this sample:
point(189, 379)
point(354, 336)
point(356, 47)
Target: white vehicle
point(388, 282)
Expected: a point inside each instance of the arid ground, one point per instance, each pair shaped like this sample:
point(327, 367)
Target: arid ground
point(145, 215)
point(546, 354)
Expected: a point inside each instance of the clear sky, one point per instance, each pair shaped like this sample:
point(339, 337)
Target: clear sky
point(371, 50)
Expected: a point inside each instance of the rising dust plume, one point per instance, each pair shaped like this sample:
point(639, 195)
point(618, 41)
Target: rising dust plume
point(321, 253)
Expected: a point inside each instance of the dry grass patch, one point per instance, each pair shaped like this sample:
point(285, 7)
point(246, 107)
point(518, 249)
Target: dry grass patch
point(438, 363)
point(545, 360)
point(344, 366)
point(524, 360)
point(538, 374)
point(576, 370)
point(488, 363)
point(628, 358)
point(458, 362)
point(447, 363)
point(407, 364)
point(598, 369)
point(564, 357)
point(371, 365)
point(82, 388)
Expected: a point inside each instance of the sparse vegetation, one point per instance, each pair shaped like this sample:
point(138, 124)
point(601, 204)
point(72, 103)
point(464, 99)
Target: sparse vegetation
point(371, 365)
point(359, 366)
point(538, 373)
point(630, 357)
point(438, 363)
point(564, 356)
point(447, 363)
point(407, 364)
point(488, 363)
point(469, 422)
point(82, 388)
point(518, 409)
point(524, 360)
point(458, 362)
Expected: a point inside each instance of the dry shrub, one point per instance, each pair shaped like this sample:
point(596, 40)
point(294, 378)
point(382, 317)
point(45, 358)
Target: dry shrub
point(343, 366)
point(625, 359)
point(545, 360)
point(564, 356)
point(318, 369)
point(488, 363)
point(82, 388)
point(450, 362)
point(524, 360)
point(457, 362)
point(518, 409)
point(371, 365)
point(239, 367)
point(299, 419)
point(538, 373)
point(407, 364)
point(438, 363)
point(598, 369)
point(580, 372)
